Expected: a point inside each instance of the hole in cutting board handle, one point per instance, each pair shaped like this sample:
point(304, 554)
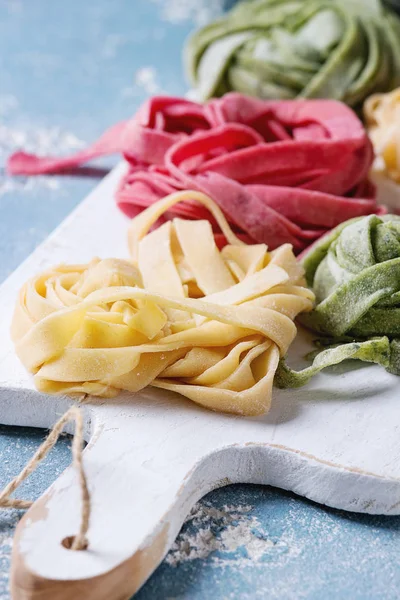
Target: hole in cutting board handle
point(69, 540)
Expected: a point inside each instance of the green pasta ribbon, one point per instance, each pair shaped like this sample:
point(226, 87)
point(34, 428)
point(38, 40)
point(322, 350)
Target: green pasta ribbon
point(355, 274)
point(283, 49)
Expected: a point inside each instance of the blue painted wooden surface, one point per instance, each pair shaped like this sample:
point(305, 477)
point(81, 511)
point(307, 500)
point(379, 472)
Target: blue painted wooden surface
point(67, 70)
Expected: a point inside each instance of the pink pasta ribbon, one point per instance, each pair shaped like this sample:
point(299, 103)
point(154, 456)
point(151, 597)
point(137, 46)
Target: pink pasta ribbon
point(281, 171)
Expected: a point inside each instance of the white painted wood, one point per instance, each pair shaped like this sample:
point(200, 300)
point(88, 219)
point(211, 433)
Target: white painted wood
point(153, 454)
point(388, 191)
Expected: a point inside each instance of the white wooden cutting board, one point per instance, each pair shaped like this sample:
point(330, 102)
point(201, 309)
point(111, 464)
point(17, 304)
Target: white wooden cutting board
point(151, 456)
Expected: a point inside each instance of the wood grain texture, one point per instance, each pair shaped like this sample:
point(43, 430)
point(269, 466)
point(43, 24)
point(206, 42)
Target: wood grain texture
point(151, 456)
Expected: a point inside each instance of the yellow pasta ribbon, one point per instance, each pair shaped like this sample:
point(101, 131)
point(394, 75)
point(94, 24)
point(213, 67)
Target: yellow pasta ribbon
point(181, 315)
point(382, 116)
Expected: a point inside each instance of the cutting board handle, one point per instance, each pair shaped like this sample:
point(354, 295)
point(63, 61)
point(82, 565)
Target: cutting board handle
point(149, 459)
point(141, 490)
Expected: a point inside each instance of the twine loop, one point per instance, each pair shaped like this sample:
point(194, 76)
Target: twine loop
point(79, 541)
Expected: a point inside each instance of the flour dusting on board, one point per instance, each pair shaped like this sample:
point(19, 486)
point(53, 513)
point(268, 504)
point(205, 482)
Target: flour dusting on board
point(232, 535)
point(197, 11)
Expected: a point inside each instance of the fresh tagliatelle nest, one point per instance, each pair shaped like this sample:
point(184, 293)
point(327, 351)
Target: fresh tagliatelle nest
point(382, 116)
point(181, 315)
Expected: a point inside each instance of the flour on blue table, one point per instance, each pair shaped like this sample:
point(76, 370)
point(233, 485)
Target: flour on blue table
point(146, 82)
point(197, 11)
point(22, 134)
point(9, 522)
point(147, 79)
point(221, 533)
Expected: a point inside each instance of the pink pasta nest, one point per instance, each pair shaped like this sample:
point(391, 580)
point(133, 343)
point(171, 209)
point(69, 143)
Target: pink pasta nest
point(281, 171)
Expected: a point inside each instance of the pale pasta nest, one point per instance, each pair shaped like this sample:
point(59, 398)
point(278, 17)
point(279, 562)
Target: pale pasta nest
point(382, 115)
point(181, 315)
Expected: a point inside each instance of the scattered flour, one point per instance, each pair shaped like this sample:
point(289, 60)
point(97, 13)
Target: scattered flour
point(6, 541)
point(9, 522)
point(40, 140)
point(220, 533)
point(199, 12)
point(147, 79)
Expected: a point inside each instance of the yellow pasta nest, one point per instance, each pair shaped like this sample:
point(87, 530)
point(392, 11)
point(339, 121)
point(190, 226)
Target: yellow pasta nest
point(382, 115)
point(181, 315)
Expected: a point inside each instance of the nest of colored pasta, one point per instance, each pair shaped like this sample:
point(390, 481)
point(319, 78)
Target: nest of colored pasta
point(180, 315)
point(281, 171)
point(355, 274)
point(382, 116)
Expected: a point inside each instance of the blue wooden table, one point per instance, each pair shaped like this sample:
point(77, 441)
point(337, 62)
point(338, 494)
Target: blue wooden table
point(68, 70)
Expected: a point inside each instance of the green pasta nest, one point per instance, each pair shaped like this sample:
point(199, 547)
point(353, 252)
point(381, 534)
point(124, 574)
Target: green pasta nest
point(355, 274)
point(283, 49)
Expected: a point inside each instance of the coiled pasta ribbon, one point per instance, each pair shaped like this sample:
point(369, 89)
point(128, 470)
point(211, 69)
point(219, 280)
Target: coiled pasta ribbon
point(355, 274)
point(341, 49)
point(182, 315)
point(282, 172)
point(382, 116)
